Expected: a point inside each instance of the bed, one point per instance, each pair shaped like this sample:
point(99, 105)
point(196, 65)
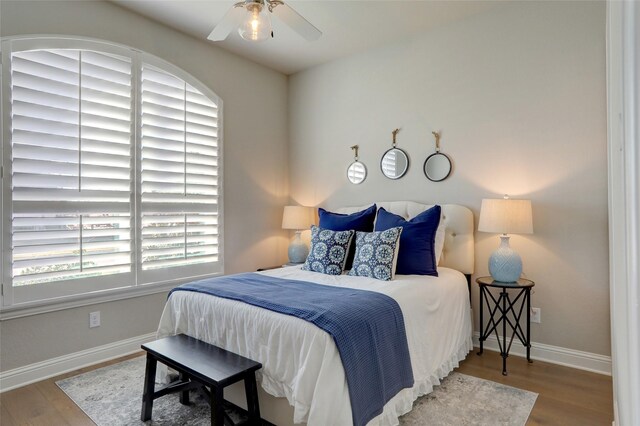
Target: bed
point(303, 378)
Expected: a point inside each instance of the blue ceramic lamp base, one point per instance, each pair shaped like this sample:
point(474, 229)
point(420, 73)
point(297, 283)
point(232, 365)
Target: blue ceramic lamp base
point(298, 250)
point(505, 264)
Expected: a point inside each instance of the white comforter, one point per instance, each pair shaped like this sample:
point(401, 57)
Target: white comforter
point(301, 362)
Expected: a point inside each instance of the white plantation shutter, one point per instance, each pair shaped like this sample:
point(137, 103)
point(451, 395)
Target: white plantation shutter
point(179, 172)
point(178, 239)
point(111, 171)
point(71, 129)
point(58, 247)
point(71, 163)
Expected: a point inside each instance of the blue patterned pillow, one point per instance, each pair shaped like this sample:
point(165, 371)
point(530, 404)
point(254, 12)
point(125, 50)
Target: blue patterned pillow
point(328, 252)
point(376, 254)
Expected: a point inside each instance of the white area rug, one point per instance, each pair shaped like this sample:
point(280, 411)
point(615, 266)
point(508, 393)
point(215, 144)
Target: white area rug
point(112, 396)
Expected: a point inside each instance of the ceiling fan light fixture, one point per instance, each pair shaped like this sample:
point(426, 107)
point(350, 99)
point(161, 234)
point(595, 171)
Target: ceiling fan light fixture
point(256, 25)
point(252, 19)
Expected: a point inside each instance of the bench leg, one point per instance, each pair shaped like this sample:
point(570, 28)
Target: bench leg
point(149, 387)
point(251, 390)
point(217, 405)
point(184, 395)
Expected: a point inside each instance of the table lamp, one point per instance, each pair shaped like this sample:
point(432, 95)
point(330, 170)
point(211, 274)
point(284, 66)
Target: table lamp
point(505, 216)
point(298, 218)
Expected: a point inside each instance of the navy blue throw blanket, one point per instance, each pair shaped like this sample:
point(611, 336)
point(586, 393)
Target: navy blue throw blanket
point(367, 327)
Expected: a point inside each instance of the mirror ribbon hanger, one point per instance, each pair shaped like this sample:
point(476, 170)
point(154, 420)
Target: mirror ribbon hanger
point(394, 133)
point(437, 136)
point(355, 148)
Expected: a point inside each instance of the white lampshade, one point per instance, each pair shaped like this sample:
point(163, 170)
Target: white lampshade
point(506, 216)
point(297, 217)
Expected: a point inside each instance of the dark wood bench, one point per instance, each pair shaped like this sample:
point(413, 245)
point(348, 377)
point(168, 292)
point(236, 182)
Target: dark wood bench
point(200, 365)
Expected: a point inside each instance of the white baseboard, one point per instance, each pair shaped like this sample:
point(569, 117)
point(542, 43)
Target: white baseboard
point(554, 354)
point(38, 371)
point(22, 376)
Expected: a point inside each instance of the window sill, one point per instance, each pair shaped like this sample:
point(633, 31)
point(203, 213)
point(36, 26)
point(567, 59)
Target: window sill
point(41, 307)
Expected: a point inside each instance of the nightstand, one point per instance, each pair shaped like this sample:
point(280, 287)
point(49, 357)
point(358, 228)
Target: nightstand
point(278, 266)
point(505, 311)
point(269, 268)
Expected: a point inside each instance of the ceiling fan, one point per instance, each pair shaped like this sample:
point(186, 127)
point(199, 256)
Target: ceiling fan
point(253, 21)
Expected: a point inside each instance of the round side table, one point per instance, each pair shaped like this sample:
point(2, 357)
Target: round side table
point(505, 311)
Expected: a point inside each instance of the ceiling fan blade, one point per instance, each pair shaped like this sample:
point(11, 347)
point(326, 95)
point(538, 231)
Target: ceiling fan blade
point(229, 22)
point(296, 22)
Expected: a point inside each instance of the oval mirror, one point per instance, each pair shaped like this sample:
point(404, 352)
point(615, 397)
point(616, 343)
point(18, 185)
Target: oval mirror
point(394, 163)
point(357, 172)
point(437, 167)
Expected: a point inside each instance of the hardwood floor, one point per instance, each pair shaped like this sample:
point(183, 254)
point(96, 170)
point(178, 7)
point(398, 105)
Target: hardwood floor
point(566, 396)
point(44, 404)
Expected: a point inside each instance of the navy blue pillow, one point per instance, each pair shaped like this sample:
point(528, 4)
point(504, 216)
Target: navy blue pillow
point(417, 255)
point(359, 221)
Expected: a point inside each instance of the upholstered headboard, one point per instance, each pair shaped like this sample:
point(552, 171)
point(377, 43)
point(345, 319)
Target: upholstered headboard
point(458, 251)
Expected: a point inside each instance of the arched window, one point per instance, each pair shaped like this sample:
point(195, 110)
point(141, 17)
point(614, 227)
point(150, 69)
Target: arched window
point(111, 171)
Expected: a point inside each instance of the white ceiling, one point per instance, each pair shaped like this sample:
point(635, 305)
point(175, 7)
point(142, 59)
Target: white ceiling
point(348, 26)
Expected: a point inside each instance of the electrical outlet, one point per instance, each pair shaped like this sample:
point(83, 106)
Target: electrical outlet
point(536, 315)
point(94, 319)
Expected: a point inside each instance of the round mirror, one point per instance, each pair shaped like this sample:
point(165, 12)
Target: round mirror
point(357, 172)
point(394, 163)
point(437, 167)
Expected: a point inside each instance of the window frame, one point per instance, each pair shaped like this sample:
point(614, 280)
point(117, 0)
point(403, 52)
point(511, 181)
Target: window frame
point(64, 294)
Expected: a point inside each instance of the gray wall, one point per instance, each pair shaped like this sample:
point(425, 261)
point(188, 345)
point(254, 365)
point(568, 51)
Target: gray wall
point(255, 162)
point(519, 95)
